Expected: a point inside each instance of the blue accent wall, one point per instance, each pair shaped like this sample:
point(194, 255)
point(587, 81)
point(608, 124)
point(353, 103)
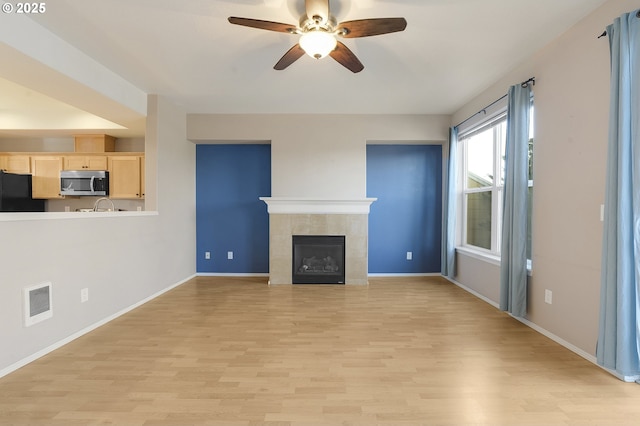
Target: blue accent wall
point(407, 217)
point(229, 215)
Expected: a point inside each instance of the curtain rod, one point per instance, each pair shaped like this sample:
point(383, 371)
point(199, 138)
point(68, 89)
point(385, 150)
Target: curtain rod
point(525, 83)
point(605, 31)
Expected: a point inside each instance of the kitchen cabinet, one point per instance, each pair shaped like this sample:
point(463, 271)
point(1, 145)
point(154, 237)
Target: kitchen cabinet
point(126, 170)
point(15, 164)
point(46, 176)
point(125, 179)
point(94, 143)
point(142, 177)
point(89, 162)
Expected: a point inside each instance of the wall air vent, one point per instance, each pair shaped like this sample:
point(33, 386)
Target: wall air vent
point(37, 303)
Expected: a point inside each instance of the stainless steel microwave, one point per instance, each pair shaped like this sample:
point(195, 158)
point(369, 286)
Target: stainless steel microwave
point(84, 182)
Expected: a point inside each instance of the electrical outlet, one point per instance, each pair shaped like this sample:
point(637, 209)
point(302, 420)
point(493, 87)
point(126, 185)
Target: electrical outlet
point(207, 255)
point(409, 255)
point(548, 296)
point(230, 255)
point(84, 295)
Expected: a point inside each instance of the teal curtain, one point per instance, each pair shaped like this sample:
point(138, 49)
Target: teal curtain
point(513, 262)
point(619, 331)
point(449, 209)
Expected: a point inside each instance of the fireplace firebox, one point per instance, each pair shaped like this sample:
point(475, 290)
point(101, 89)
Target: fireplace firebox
point(318, 259)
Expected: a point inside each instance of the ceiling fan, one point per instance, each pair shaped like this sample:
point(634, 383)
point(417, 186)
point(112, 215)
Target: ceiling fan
point(319, 30)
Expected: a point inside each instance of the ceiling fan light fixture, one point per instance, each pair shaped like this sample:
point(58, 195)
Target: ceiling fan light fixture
point(318, 43)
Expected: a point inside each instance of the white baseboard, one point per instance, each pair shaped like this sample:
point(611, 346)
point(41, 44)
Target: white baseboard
point(221, 274)
point(475, 293)
point(400, 275)
point(576, 350)
point(558, 340)
point(59, 344)
point(537, 328)
point(13, 367)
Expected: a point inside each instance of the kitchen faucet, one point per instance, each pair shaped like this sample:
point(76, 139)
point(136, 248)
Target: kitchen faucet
point(99, 200)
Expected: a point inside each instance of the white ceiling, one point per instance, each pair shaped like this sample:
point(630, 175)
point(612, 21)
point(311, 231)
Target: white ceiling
point(20, 104)
point(186, 50)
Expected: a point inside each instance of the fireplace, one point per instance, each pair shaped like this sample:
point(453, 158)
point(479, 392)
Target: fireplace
point(319, 217)
point(318, 259)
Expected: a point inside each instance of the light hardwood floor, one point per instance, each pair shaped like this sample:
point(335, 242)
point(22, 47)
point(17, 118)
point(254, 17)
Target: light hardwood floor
point(232, 351)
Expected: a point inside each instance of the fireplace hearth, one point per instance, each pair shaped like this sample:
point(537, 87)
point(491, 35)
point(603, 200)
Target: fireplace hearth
point(318, 259)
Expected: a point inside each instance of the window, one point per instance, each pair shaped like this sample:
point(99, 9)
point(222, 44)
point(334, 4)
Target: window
point(483, 153)
point(484, 149)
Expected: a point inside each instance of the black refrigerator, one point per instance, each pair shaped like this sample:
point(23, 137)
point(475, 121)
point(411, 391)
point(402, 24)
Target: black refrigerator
point(15, 194)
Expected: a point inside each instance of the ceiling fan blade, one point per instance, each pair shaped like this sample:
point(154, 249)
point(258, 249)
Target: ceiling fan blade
point(371, 27)
point(317, 8)
point(264, 25)
point(346, 58)
point(290, 57)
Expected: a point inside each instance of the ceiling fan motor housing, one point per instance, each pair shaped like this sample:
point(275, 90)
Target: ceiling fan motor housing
point(318, 22)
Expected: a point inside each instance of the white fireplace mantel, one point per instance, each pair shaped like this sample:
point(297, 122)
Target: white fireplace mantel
point(285, 205)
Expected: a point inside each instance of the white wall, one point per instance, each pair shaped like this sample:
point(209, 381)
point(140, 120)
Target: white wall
point(121, 260)
point(571, 121)
point(318, 156)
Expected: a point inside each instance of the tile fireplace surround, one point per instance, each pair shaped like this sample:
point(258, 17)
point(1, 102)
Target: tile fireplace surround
point(295, 216)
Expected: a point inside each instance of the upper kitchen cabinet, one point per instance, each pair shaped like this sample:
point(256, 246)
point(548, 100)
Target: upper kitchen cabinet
point(125, 176)
point(15, 164)
point(46, 176)
point(85, 162)
point(94, 143)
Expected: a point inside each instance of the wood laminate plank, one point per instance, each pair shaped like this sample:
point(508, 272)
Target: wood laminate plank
point(234, 351)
